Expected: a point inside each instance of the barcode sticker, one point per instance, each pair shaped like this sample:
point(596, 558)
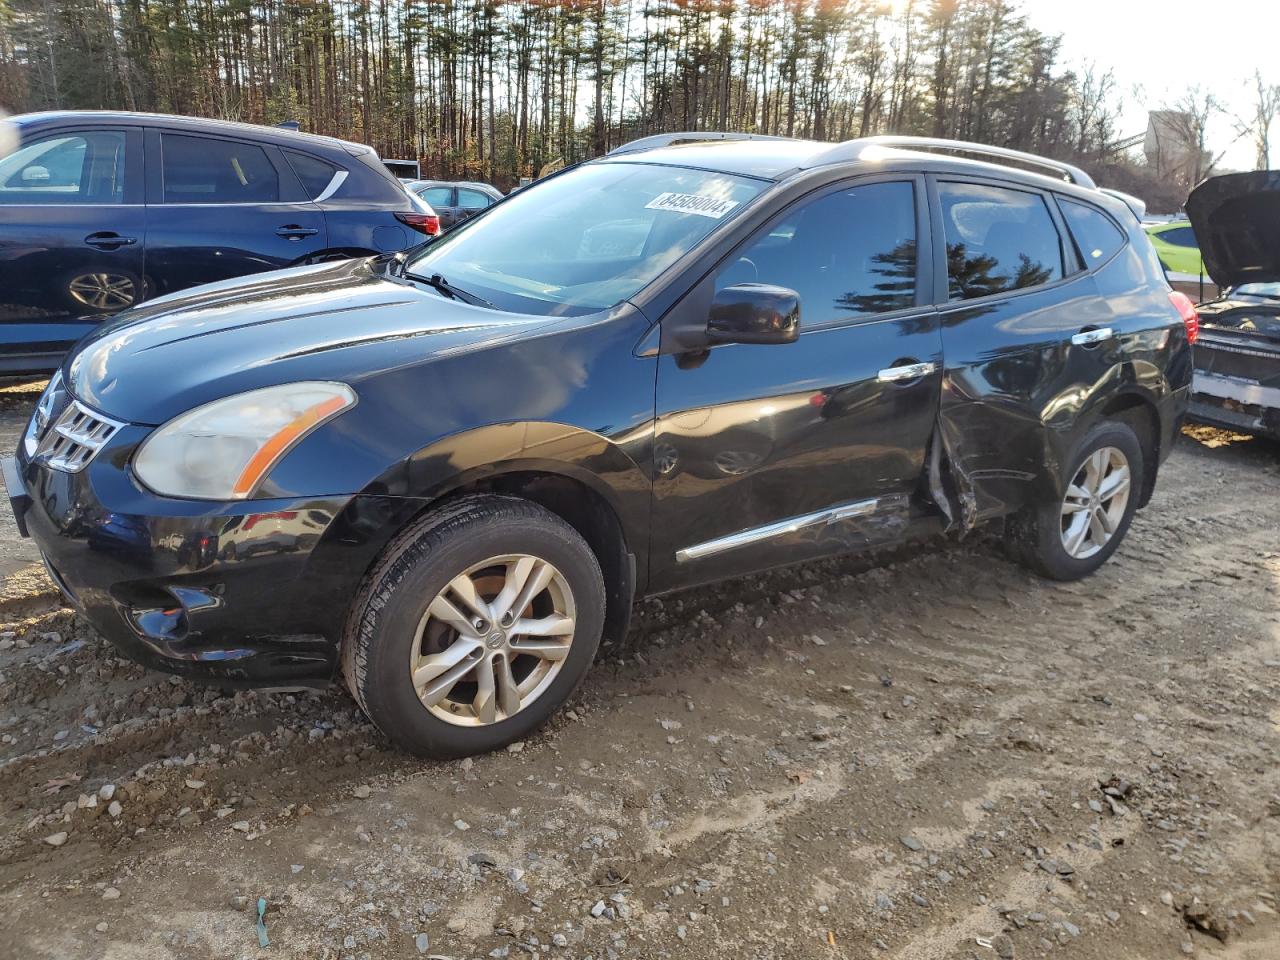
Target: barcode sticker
point(711, 207)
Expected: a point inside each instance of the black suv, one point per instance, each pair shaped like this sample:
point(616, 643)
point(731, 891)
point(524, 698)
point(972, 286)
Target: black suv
point(448, 474)
point(100, 211)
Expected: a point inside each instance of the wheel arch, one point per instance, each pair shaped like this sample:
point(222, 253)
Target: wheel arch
point(582, 477)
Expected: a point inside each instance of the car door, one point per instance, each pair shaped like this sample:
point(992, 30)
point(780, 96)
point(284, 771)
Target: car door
point(72, 232)
point(441, 200)
point(1028, 339)
point(768, 454)
point(220, 207)
point(471, 202)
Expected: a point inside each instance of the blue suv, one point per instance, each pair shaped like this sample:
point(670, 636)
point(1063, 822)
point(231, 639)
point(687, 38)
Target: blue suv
point(100, 211)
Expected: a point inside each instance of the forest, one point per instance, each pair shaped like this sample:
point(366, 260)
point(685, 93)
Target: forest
point(500, 90)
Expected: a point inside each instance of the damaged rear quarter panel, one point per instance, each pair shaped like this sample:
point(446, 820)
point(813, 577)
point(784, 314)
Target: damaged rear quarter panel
point(1018, 396)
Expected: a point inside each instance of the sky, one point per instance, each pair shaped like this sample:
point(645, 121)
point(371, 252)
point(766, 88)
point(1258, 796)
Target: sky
point(1157, 48)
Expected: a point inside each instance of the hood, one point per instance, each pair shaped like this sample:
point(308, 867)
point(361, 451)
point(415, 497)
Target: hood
point(343, 321)
point(1236, 218)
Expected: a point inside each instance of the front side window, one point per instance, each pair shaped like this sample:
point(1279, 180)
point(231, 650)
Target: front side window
point(998, 239)
point(848, 253)
point(1096, 236)
point(204, 170)
point(472, 199)
point(586, 239)
point(84, 167)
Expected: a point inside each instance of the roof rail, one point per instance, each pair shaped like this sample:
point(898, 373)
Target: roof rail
point(1137, 206)
point(687, 136)
point(854, 149)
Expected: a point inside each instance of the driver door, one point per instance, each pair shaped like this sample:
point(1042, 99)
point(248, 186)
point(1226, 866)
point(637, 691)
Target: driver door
point(767, 454)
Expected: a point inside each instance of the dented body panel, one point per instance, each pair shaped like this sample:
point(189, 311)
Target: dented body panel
point(695, 460)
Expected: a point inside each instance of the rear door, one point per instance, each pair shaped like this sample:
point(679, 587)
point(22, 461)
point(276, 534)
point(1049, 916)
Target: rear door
point(72, 231)
point(444, 202)
point(471, 202)
point(220, 207)
point(1028, 340)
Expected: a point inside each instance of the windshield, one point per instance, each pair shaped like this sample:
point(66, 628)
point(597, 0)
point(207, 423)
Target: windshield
point(1258, 289)
point(586, 239)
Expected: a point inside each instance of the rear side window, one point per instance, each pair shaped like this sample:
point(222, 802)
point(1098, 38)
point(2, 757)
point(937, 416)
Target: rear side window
point(848, 253)
point(1095, 235)
point(1179, 236)
point(472, 199)
point(438, 196)
point(998, 239)
point(316, 175)
point(84, 167)
point(203, 170)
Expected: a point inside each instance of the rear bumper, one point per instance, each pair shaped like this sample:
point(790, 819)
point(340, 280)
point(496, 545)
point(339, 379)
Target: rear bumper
point(246, 592)
point(1236, 403)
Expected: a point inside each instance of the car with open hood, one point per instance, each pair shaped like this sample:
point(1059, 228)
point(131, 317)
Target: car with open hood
point(1237, 356)
point(445, 475)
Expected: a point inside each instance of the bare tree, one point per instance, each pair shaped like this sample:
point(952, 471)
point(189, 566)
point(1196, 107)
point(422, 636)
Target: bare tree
point(1266, 106)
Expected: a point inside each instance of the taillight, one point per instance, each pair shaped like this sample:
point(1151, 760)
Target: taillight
point(427, 223)
point(1187, 310)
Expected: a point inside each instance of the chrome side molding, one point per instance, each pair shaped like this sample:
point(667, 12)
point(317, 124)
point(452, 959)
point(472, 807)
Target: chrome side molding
point(744, 538)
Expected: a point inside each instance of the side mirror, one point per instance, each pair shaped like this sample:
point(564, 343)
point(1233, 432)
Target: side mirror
point(34, 174)
point(754, 313)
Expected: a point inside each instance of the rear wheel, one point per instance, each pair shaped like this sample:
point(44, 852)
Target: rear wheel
point(475, 626)
point(1073, 535)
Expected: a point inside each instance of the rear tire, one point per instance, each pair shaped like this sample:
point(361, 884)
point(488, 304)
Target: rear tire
point(477, 623)
point(1073, 535)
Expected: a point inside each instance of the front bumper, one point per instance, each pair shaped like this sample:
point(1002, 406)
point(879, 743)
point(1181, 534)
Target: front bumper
point(253, 592)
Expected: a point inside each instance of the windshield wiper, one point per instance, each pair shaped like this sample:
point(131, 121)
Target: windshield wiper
point(437, 282)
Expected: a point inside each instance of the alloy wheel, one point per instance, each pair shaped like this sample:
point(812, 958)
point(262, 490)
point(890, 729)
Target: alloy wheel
point(104, 291)
point(493, 640)
point(1095, 502)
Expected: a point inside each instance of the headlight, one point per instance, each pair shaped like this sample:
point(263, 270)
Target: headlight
point(224, 449)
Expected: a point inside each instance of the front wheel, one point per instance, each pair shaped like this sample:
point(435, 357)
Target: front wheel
point(479, 621)
point(1073, 535)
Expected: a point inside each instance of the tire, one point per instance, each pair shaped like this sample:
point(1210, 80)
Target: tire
point(402, 629)
point(1041, 537)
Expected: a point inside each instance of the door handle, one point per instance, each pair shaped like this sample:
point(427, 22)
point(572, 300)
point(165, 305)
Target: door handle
point(1086, 337)
point(109, 241)
point(294, 232)
point(910, 371)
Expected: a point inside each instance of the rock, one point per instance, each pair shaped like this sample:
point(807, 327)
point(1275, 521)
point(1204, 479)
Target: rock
point(559, 940)
point(422, 942)
point(456, 925)
point(56, 839)
point(295, 868)
point(516, 747)
point(115, 809)
point(361, 792)
point(461, 825)
point(1003, 946)
point(1166, 898)
point(111, 893)
point(919, 901)
point(883, 902)
point(106, 791)
point(239, 903)
point(195, 784)
point(1113, 916)
point(1037, 917)
point(911, 843)
point(101, 927)
point(598, 908)
point(241, 825)
point(1095, 806)
point(1071, 928)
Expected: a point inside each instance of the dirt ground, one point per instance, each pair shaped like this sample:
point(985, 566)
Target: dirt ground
point(942, 757)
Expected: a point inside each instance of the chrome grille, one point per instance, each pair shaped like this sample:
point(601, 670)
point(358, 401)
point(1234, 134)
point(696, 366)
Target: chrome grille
point(75, 438)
